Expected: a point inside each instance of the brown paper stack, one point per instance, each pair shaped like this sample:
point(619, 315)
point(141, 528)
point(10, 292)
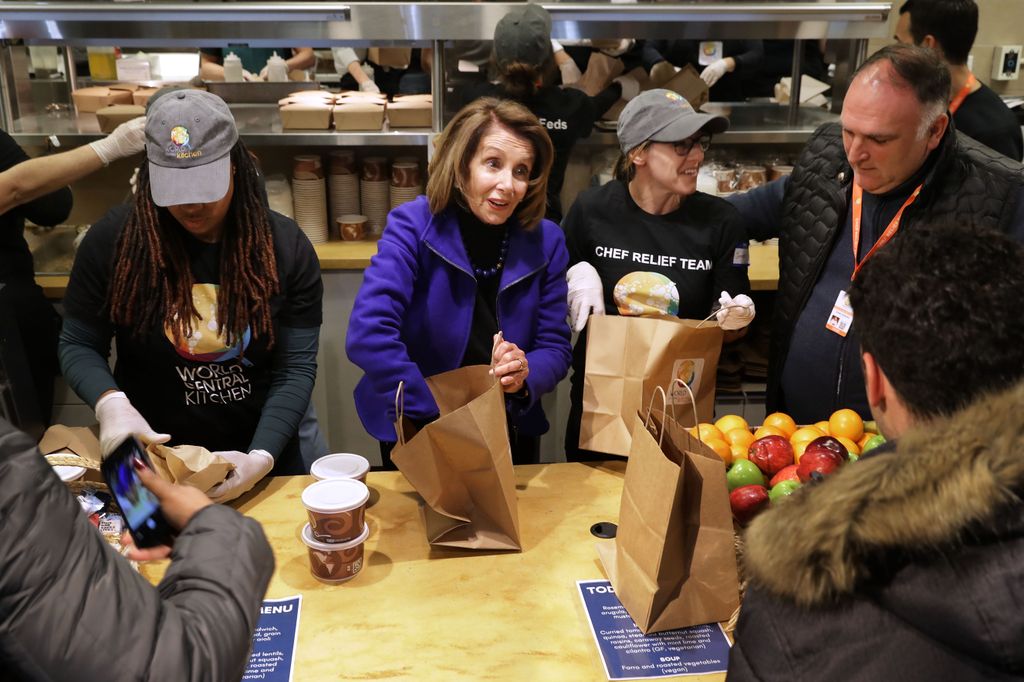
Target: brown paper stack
point(189, 464)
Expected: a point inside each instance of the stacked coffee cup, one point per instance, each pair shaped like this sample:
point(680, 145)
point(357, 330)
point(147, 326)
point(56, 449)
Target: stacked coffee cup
point(406, 180)
point(336, 506)
point(342, 184)
point(310, 197)
point(373, 194)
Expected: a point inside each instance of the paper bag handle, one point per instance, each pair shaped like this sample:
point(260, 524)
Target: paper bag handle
point(693, 405)
point(658, 390)
point(400, 411)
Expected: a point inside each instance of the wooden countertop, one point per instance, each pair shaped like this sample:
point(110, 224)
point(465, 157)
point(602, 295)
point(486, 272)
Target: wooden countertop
point(764, 265)
point(416, 613)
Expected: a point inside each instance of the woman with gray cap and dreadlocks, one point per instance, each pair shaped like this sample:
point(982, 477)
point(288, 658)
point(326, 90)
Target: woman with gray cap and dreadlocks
point(648, 243)
point(214, 301)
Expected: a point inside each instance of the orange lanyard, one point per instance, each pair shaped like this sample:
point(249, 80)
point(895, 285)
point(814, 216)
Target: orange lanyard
point(962, 95)
point(894, 225)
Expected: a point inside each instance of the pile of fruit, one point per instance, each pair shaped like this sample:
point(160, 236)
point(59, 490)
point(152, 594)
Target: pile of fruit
point(770, 463)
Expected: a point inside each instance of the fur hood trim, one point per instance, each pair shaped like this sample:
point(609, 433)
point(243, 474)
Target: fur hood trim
point(941, 478)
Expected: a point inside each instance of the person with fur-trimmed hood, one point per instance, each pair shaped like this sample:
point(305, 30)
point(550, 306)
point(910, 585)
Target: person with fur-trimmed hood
point(909, 564)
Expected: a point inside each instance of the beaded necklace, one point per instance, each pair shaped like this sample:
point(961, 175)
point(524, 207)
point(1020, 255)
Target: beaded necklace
point(487, 273)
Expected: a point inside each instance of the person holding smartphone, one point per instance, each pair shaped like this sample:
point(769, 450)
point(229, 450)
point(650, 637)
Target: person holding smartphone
point(53, 563)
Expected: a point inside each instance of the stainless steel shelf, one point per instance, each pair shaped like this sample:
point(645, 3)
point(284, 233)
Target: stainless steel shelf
point(322, 24)
point(258, 124)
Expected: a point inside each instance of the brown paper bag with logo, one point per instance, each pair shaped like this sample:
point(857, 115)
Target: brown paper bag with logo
point(191, 465)
point(636, 355)
point(461, 464)
point(674, 562)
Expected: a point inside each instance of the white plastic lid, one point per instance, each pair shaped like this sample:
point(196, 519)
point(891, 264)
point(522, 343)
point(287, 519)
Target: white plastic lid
point(307, 537)
point(69, 473)
point(335, 495)
point(341, 464)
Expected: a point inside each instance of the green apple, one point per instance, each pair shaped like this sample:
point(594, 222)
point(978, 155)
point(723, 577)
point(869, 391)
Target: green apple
point(743, 472)
point(872, 443)
point(783, 489)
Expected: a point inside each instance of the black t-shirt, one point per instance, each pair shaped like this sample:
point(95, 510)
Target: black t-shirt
point(198, 390)
point(700, 247)
point(567, 114)
point(984, 116)
point(483, 244)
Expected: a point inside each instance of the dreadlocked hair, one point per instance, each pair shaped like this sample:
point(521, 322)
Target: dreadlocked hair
point(152, 281)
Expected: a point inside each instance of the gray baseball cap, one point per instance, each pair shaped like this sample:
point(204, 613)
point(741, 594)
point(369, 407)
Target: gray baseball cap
point(663, 116)
point(189, 137)
point(523, 35)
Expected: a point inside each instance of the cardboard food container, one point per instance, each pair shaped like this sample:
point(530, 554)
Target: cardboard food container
point(326, 101)
point(394, 57)
point(142, 95)
point(359, 116)
point(90, 100)
point(357, 96)
point(306, 116)
point(406, 112)
point(113, 116)
point(74, 446)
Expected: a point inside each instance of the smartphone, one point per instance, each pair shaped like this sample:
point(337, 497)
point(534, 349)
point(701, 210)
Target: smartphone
point(139, 506)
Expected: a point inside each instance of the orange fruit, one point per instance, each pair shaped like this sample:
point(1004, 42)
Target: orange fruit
point(798, 450)
point(822, 426)
point(739, 452)
point(851, 447)
point(782, 421)
point(739, 437)
point(721, 449)
point(846, 423)
point(868, 435)
point(731, 421)
point(708, 431)
point(805, 434)
point(763, 431)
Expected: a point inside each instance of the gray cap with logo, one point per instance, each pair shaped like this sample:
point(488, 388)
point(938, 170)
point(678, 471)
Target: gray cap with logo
point(663, 116)
point(189, 137)
point(523, 35)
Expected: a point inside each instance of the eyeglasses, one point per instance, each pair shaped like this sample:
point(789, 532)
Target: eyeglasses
point(684, 147)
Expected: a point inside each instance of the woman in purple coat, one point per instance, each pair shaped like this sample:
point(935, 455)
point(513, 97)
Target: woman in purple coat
point(469, 274)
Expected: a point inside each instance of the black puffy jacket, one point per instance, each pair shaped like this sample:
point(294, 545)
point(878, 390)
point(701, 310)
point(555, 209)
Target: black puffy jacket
point(907, 565)
point(71, 608)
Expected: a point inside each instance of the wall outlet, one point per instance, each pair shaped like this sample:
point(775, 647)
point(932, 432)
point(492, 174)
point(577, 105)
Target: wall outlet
point(1006, 62)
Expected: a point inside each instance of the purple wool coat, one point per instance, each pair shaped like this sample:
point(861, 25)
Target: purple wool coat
point(413, 313)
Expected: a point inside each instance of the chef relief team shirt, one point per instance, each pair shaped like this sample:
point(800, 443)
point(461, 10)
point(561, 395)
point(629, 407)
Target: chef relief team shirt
point(701, 247)
point(198, 390)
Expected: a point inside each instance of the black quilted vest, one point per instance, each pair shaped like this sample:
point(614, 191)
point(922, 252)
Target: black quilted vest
point(970, 185)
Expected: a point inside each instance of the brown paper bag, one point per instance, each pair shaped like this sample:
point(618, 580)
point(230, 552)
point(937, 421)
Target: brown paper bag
point(636, 355)
point(688, 83)
point(461, 464)
point(601, 71)
point(191, 465)
point(674, 560)
point(394, 57)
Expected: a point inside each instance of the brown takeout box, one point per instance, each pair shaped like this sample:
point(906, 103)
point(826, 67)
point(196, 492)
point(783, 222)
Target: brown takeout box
point(358, 116)
point(142, 95)
point(113, 116)
point(91, 100)
point(78, 439)
point(407, 112)
point(306, 115)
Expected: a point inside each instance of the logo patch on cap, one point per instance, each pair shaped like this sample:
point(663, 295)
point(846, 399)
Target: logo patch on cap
point(180, 147)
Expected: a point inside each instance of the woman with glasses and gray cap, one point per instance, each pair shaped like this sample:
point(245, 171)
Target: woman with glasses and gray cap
point(648, 243)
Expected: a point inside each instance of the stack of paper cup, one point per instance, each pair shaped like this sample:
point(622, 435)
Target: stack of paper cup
point(373, 194)
point(406, 180)
point(279, 195)
point(342, 184)
point(310, 197)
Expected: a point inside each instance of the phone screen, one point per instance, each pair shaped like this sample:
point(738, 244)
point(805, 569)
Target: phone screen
point(139, 506)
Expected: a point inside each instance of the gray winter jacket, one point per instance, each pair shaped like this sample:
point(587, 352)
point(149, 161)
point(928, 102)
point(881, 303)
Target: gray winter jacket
point(71, 608)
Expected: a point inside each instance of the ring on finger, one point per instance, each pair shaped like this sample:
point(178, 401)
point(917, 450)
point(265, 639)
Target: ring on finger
point(522, 364)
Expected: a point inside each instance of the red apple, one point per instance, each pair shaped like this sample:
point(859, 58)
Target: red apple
point(828, 443)
point(771, 454)
point(747, 502)
point(785, 474)
point(823, 461)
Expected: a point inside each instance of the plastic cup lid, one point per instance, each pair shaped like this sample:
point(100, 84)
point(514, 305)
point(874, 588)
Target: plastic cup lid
point(69, 473)
point(335, 495)
point(312, 542)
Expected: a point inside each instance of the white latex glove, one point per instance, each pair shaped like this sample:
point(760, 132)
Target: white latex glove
point(585, 294)
point(714, 71)
point(368, 86)
point(734, 313)
point(630, 86)
point(127, 139)
point(249, 469)
point(119, 419)
point(624, 46)
point(570, 72)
